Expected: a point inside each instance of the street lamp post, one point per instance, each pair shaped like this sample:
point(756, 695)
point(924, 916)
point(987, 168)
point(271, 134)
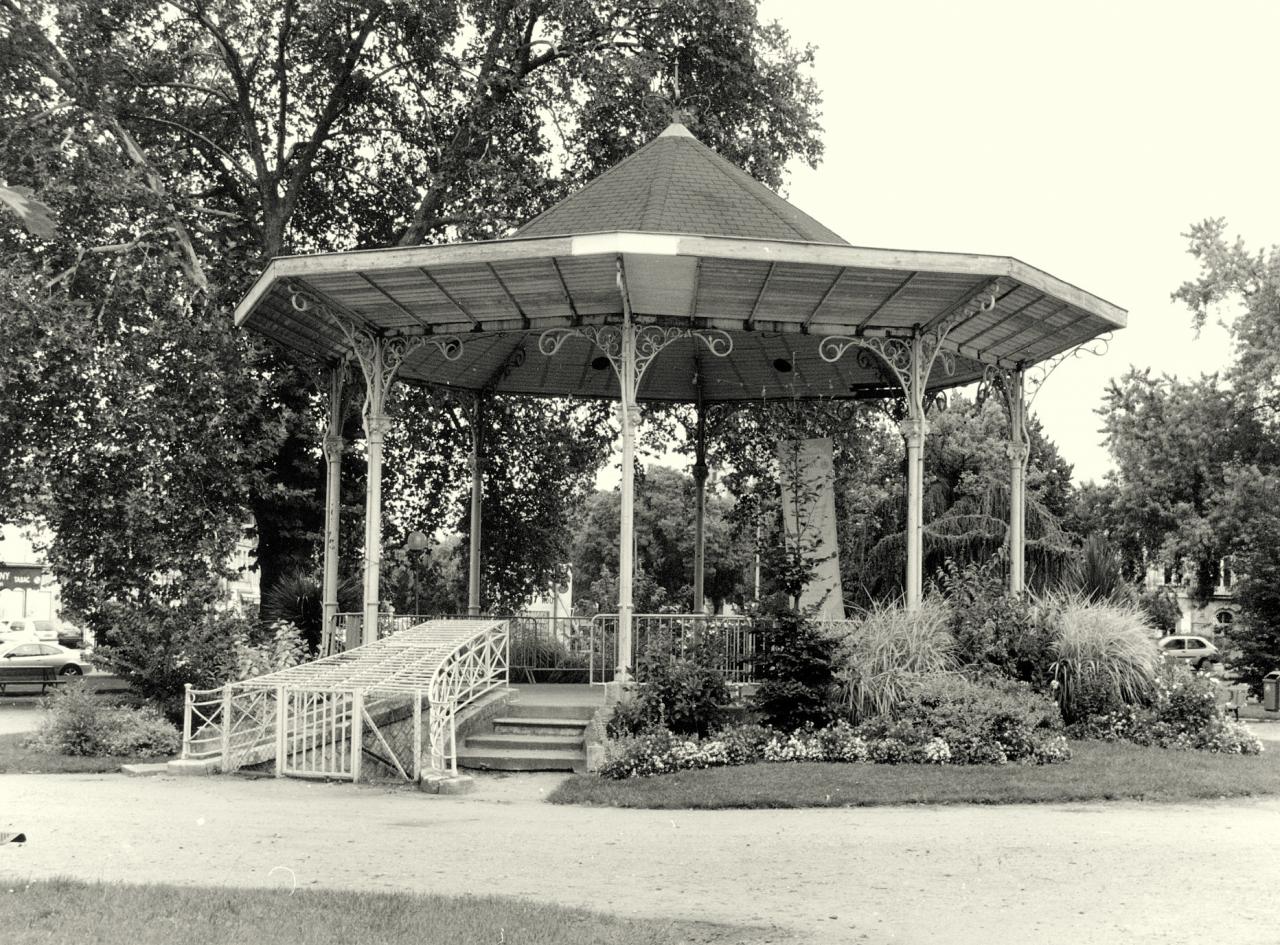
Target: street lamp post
point(417, 541)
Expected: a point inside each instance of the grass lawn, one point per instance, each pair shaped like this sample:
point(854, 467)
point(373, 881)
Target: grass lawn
point(17, 759)
point(1098, 771)
point(62, 911)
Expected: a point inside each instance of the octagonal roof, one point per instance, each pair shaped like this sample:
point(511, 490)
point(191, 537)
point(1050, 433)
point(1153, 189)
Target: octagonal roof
point(688, 241)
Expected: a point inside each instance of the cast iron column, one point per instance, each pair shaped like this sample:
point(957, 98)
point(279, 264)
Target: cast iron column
point(477, 501)
point(333, 447)
point(699, 511)
point(1019, 453)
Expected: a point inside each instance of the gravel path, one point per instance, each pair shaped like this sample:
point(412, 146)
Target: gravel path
point(1073, 874)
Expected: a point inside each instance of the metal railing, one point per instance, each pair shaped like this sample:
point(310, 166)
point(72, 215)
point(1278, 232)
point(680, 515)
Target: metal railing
point(552, 649)
point(728, 641)
point(326, 731)
point(578, 649)
point(476, 666)
point(347, 627)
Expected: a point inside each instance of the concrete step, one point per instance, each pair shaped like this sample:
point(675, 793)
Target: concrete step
point(522, 759)
point(550, 710)
point(145, 769)
point(508, 725)
point(519, 740)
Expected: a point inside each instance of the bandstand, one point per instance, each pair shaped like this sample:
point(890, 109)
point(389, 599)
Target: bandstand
point(673, 277)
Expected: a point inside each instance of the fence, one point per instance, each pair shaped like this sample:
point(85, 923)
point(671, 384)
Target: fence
point(729, 641)
point(576, 649)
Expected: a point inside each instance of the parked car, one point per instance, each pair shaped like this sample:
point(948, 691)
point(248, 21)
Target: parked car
point(43, 656)
point(28, 628)
point(1197, 651)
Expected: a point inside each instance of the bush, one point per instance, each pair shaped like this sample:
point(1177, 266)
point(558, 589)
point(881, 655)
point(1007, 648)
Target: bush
point(538, 658)
point(981, 721)
point(794, 668)
point(879, 656)
point(77, 722)
point(995, 631)
point(158, 649)
point(978, 723)
point(1100, 651)
point(1184, 713)
point(683, 694)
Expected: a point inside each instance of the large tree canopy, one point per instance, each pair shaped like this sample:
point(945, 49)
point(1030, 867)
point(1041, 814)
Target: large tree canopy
point(182, 144)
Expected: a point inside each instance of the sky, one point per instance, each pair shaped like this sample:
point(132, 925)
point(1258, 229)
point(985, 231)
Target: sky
point(1082, 138)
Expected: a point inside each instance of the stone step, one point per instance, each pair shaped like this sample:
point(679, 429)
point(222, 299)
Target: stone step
point(539, 726)
point(522, 740)
point(550, 710)
point(521, 759)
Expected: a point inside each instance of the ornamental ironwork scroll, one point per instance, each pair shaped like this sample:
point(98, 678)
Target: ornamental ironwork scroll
point(910, 365)
point(1039, 374)
point(650, 341)
point(380, 356)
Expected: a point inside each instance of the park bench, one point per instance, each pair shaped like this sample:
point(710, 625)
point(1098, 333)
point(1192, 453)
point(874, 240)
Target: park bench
point(41, 676)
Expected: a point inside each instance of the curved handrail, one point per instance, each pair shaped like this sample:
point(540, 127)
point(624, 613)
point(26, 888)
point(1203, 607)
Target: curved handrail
point(476, 666)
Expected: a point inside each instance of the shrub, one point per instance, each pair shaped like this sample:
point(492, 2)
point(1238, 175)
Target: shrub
point(794, 667)
point(994, 631)
point(880, 655)
point(1100, 650)
point(77, 722)
point(683, 694)
point(981, 721)
point(297, 598)
point(1184, 713)
point(538, 658)
point(158, 649)
point(279, 645)
point(879, 741)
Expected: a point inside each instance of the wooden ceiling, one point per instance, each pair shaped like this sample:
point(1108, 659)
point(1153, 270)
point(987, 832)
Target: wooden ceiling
point(776, 300)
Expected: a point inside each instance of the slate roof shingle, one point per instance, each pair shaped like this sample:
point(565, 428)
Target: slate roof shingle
point(676, 184)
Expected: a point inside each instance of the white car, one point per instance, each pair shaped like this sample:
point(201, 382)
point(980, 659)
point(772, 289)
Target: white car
point(1198, 651)
point(29, 662)
point(28, 628)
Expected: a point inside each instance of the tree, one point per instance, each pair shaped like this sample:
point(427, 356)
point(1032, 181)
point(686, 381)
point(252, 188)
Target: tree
point(664, 526)
point(1174, 443)
point(192, 140)
point(1246, 519)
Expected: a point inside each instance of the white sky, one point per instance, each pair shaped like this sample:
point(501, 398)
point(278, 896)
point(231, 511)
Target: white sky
point(1082, 140)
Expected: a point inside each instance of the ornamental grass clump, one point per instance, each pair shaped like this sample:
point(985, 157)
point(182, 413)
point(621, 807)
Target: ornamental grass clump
point(879, 656)
point(1101, 651)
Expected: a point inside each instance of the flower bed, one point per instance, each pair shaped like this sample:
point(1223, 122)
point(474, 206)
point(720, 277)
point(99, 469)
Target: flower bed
point(660, 752)
point(1185, 714)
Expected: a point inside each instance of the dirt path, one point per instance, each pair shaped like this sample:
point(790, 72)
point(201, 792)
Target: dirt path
point(1074, 874)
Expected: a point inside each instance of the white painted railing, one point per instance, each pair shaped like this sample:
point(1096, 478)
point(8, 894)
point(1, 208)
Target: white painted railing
point(319, 719)
point(729, 639)
point(202, 722)
point(476, 666)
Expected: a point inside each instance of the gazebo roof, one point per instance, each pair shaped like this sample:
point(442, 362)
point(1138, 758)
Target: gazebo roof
point(689, 242)
point(676, 184)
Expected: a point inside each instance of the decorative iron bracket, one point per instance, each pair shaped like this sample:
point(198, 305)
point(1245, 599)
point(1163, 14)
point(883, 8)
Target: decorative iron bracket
point(650, 340)
point(379, 356)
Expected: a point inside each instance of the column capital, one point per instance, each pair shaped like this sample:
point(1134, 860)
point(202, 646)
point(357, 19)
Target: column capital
point(376, 428)
point(914, 429)
point(1018, 452)
point(700, 473)
point(333, 447)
